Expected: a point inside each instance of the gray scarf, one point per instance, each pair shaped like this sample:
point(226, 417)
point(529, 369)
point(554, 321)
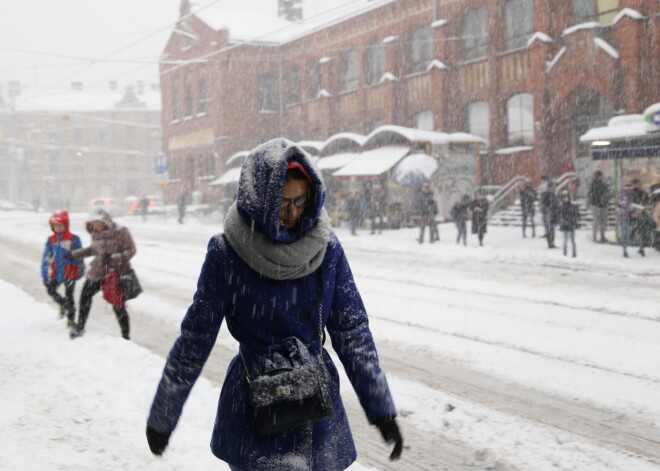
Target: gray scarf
point(273, 259)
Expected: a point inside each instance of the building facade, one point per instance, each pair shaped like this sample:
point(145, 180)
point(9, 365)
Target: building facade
point(529, 76)
point(65, 147)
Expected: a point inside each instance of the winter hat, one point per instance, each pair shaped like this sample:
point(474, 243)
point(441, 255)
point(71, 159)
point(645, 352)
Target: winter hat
point(59, 217)
point(564, 194)
point(293, 163)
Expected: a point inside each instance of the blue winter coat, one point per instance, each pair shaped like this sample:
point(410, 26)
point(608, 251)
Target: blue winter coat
point(53, 264)
point(259, 312)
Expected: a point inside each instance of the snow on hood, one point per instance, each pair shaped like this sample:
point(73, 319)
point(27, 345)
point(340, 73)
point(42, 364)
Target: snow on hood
point(98, 214)
point(261, 185)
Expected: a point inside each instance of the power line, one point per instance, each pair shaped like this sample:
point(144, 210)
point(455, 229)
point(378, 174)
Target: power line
point(123, 49)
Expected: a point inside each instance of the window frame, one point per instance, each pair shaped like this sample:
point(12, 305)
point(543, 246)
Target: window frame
point(472, 127)
point(350, 70)
point(267, 93)
point(294, 92)
point(421, 48)
point(474, 47)
point(376, 62)
point(518, 23)
point(524, 135)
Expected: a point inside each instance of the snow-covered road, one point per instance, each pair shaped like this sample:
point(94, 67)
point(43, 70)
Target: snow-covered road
point(507, 357)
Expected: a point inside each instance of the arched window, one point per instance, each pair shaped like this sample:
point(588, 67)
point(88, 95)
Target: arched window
point(424, 120)
point(478, 119)
point(520, 119)
point(518, 23)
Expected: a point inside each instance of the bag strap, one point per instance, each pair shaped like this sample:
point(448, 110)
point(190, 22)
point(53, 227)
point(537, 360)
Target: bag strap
point(319, 279)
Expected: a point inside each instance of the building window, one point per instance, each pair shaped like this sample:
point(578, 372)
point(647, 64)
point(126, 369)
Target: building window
point(267, 95)
point(294, 84)
point(423, 120)
point(131, 133)
point(202, 100)
point(77, 133)
point(350, 68)
point(189, 100)
point(518, 23)
point(314, 79)
point(520, 119)
point(53, 163)
point(421, 52)
point(375, 123)
point(102, 164)
point(176, 110)
point(475, 33)
point(376, 62)
point(588, 10)
point(103, 134)
point(478, 119)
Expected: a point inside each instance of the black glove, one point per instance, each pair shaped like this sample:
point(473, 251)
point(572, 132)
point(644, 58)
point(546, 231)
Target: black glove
point(157, 441)
point(391, 434)
point(67, 256)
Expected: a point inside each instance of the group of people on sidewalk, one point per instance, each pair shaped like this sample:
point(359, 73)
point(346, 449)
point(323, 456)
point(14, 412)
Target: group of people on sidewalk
point(62, 264)
point(633, 206)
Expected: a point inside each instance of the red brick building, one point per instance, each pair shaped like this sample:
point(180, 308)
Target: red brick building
point(529, 76)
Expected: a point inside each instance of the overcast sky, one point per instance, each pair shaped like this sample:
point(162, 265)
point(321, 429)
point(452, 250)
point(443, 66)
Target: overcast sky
point(85, 29)
point(64, 30)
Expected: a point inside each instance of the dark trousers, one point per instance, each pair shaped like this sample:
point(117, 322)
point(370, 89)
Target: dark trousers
point(65, 301)
point(549, 231)
point(89, 289)
point(428, 220)
point(481, 230)
point(525, 216)
point(461, 227)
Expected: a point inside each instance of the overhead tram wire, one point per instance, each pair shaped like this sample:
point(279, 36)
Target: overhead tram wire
point(67, 78)
point(247, 42)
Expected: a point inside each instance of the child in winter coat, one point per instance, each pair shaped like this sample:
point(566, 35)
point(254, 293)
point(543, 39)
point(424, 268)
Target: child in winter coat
point(569, 217)
point(56, 270)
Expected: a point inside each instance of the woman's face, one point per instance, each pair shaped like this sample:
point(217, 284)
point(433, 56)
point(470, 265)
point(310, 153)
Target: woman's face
point(99, 226)
point(59, 228)
point(294, 201)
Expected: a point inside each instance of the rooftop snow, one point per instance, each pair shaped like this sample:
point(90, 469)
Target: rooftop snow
point(85, 100)
point(230, 176)
point(415, 163)
point(373, 162)
point(620, 128)
point(333, 162)
point(248, 26)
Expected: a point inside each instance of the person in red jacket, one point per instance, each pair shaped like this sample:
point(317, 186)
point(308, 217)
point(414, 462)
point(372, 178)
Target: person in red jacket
point(56, 270)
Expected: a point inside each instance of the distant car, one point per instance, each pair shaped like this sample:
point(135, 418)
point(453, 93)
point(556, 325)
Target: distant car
point(155, 206)
point(110, 205)
point(7, 205)
point(24, 206)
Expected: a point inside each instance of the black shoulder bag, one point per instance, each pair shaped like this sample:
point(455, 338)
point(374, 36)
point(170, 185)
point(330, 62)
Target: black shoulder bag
point(130, 285)
point(293, 396)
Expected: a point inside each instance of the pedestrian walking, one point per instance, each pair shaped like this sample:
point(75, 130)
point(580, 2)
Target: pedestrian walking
point(143, 207)
point(568, 220)
point(56, 269)
point(181, 205)
point(479, 207)
point(624, 213)
point(549, 208)
point(638, 195)
point(279, 277)
point(378, 203)
point(528, 197)
point(599, 195)
point(112, 247)
point(355, 210)
point(459, 213)
point(427, 210)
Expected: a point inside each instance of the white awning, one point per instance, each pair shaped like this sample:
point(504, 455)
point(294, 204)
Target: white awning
point(372, 163)
point(333, 162)
point(230, 176)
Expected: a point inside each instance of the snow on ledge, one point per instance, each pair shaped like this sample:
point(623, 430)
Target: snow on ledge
point(388, 76)
point(588, 25)
point(323, 60)
point(513, 150)
point(605, 46)
point(389, 39)
point(324, 93)
point(438, 23)
point(541, 37)
point(634, 14)
point(554, 60)
point(437, 64)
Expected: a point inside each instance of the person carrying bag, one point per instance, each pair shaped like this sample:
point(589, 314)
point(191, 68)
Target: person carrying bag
point(279, 277)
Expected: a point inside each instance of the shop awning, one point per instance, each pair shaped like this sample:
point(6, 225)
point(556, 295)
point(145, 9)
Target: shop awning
point(336, 161)
point(230, 176)
point(372, 163)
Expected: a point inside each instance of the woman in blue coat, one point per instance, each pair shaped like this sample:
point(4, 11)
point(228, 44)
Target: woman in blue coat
point(264, 276)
